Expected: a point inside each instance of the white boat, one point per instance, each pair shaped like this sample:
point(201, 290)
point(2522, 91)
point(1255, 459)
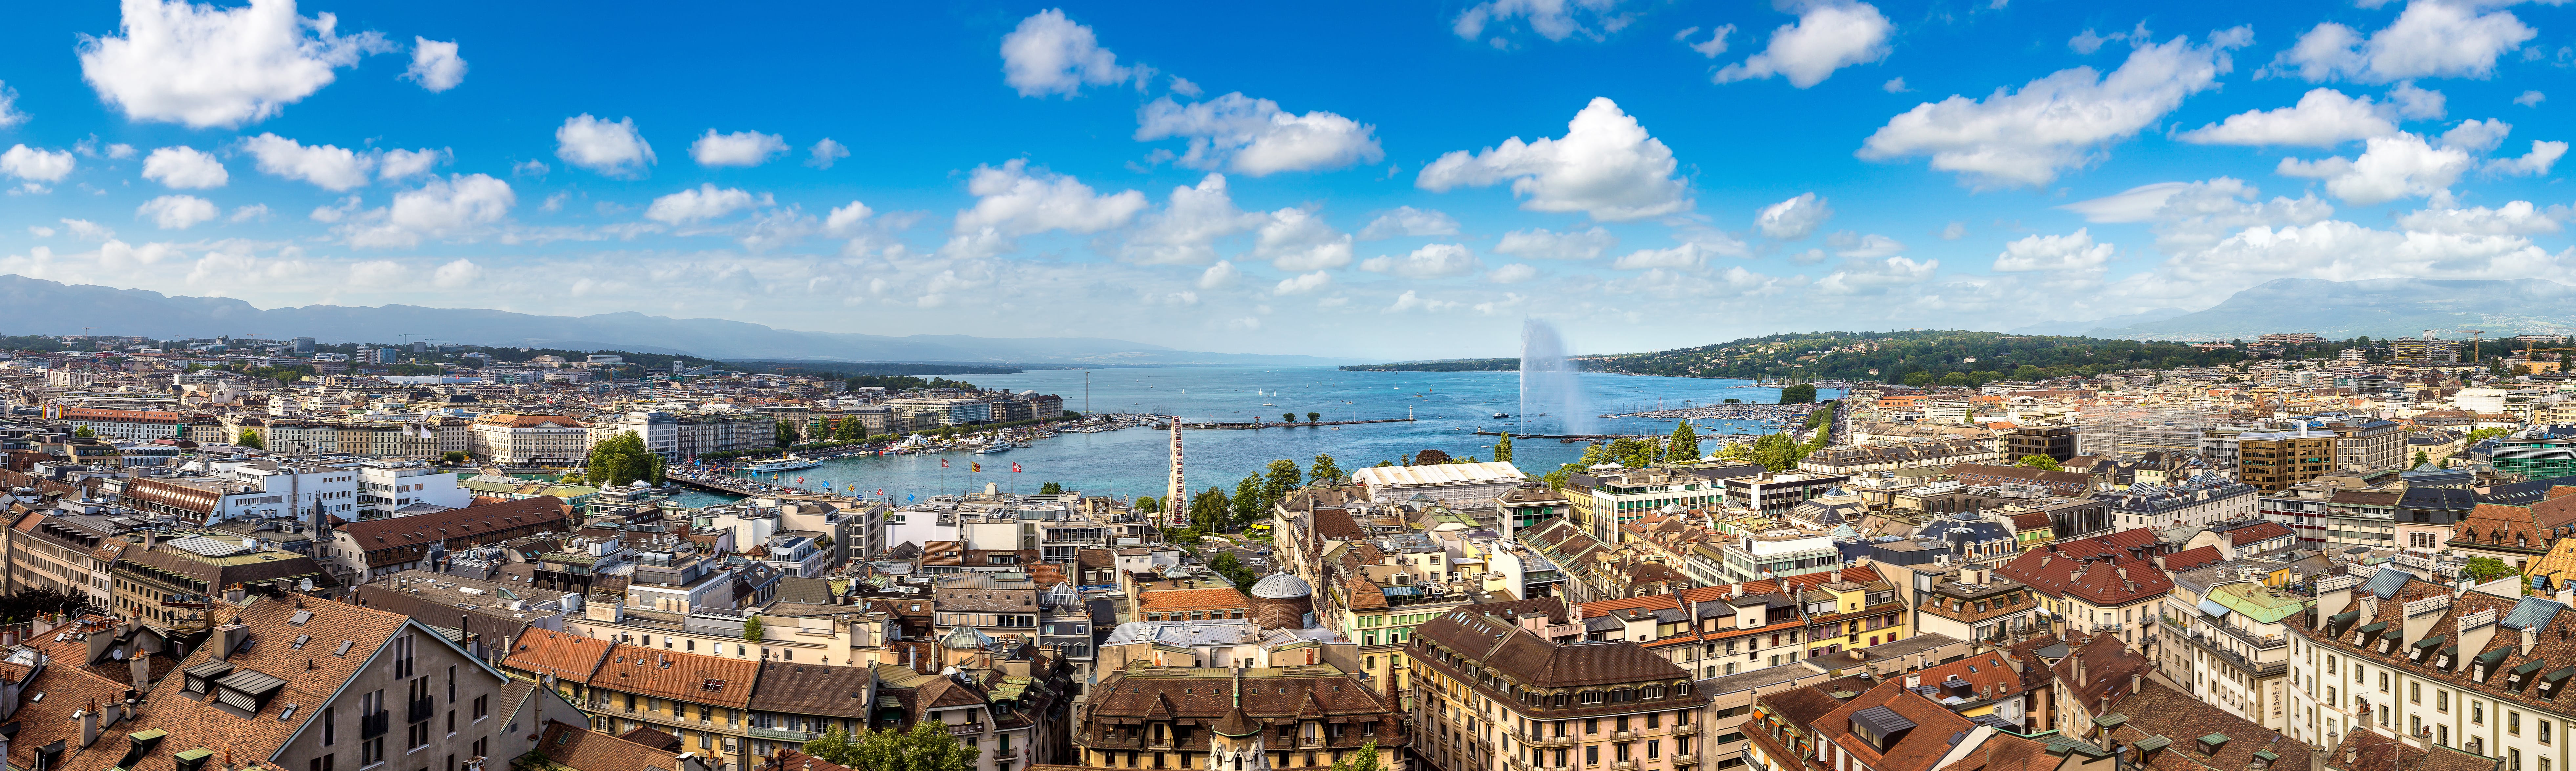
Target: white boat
point(993, 449)
point(791, 462)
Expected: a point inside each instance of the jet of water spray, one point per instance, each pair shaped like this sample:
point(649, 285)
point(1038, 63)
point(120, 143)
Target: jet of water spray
point(1548, 380)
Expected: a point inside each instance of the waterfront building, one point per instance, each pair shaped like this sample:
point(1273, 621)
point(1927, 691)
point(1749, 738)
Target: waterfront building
point(528, 439)
point(1454, 485)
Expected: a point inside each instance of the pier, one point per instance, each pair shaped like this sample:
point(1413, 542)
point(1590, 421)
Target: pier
point(1258, 424)
point(732, 485)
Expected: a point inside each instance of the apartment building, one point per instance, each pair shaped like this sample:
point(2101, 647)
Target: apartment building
point(524, 438)
point(128, 425)
point(1972, 603)
point(424, 439)
point(2273, 461)
point(67, 550)
point(365, 550)
point(945, 411)
point(2369, 445)
point(1303, 716)
point(389, 487)
point(2191, 502)
point(2226, 628)
point(701, 700)
point(169, 578)
point(2413, 661)
point(1715, 631)
point(1495, 693)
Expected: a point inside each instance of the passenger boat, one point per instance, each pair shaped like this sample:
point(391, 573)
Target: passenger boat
point(790, 462)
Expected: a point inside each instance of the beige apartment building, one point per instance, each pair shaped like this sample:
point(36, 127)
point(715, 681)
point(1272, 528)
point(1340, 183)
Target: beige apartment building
point(1490, 693)
point(517, 438)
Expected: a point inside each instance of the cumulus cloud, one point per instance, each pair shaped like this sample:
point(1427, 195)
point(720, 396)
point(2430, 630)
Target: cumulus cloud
point(257, 211)
point(2061, 121)
point(184, 168)
point(326, 166)
point(1541, 243)
point(176, 212)
point(740, 148)
point(1605, 166)
point(1016, 201)
point(457, 274)
point(2417, 103)
point(1867, 276)
point(825, 153)
point(1713, 47)
point(613, 149)
point(1954, 231)
point(1555, 20)
point(1414, 301)
point(205, 66)
point(88, 231)
point(2534, 163)
point(1429, 261)
point(1793, 219)
point(9, 114)
point(2071, 252)
point(1828, 35)
point(456, 206)
point(1254, 136)
point(1186, 230)
point(2530, 98)
point(1849, 244)
point(435, 65)
point(35, 164)
point(700, 204)
point(2430, 39)
point(1219, 276)
point(2518, 218)
point(1409, 221)
point(845, 220)
point(2190, 216)
point(1689, 255)
point(1049, 54)
point(1512, 274)
point(398, 164)
point(1296, 240)
point(2323, 118)
point(1308, 283)
point(2390, 168)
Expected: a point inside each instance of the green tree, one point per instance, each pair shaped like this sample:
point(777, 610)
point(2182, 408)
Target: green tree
point(1326, 472)
point(455, 457)
point(785, 434)
point(1051, 488)
point(1683, 447)
point(1430, 458)
point(927, 747)
point(620, 460)
point(1503, 449)
point(1735, 401)
point(1364, 760)
point(84, 433)
point(2041, 462)
point(1957, 380)
point(653, 473)
point(751, 630)
point(2421, 458)
point(1287, 417)
point(2485, 569)
point(1284, 477)
point(250, 439)
point(1919, 379)
point(1798, 394)
point(1314, 416)
point(1145, 504)
point(1777, 452)
point(1208, 509)
point(1248, 503)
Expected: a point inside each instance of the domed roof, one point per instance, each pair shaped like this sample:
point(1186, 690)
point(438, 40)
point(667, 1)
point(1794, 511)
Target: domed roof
point(1237, 723)
point(1837, 491)
point(1282, 586)
point(965, 638)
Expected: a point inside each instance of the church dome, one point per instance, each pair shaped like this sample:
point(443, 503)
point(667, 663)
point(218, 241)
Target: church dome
point(1282, 586)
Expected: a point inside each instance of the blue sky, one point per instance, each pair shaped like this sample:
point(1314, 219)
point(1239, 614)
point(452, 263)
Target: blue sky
point(1369, 180)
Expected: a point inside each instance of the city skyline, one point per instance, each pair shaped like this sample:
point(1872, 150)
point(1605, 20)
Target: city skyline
point(1284, 182)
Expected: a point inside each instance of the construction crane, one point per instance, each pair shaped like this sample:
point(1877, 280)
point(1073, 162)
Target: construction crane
point(2475, 353)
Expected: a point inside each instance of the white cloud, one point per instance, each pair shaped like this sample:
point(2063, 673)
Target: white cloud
point(1552, 19)
point(36, 165)
point(176, 212)
point(326, 166)
point(1954, 231)
point(2391, 168)
point(457, 275)
point(2534, 163)
point(1429, 261)
point(1864, 276)
point(613, 149)
point(1308, 283)
point(1049, 54)
point(257, 211)
point(184, 168)
point(88, 231)
point(1219, 276)
point(120, 151)
point(1015, 201)
point(40, 231)
point(2476, 137)
point(398, 164)
point(2323, 118)
point(2088, 42)
point(2430, 39)
point(2417, 103)
point(1184, 87)
point(9, 114)
point(336, 212)
point(205, 66)
point(1254, 136)
point(1690, 254)
point(1541, 243)
point(1849, 244)
point(2193, 216)
point(1714, 46)
point(1414, 301)
point(1793, 219)
point(1409, 221)
point(2071, 252)
point(825, 153)
point(379, 274)
point(1512, 274)
point(741, 148)
point(435, 65)
point(1829, 35)
point(2518, 218)
point(845, 220)
point(1186, 230)
point(704, 202)
point(2343, 251)
point(442, 208)
point(2530, 98)
point(1605, 166)
point(2061, 121)
point(1895, 85)
point(1296, 240)
point(529, 168)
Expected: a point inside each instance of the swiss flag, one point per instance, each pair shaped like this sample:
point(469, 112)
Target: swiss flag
point(943, 463)
point(1015, 467)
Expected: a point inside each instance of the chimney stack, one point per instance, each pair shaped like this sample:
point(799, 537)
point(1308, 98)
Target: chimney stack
point(89, 724)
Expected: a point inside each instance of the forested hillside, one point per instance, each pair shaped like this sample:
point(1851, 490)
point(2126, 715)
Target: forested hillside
point(1928, 354)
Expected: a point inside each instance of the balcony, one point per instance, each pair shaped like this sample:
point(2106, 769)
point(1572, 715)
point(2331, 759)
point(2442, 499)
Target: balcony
point(781, 734)
point(1686, 730)
point(1623, 765)
point(421, 709)
point(1685, 758)
point(966, 729)
point(372, 726)
point(1541, 740)
point(1006, 753)
point(1621, 736)
point(1517, 764)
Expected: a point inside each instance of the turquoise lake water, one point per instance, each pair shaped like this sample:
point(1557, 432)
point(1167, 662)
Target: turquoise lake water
point(1448, 408)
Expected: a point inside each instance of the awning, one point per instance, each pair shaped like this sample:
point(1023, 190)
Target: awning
point(2213, 609)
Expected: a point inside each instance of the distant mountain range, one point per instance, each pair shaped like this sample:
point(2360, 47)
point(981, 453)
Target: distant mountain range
point(2384, 307)
point(36, 305)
